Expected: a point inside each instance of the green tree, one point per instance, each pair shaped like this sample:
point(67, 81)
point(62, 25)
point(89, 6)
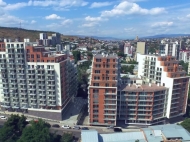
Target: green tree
point(89, 54)
point(12, 129)
point(186, 124)
point(37, 132)
point(184, 65)
point(67, 137)
point(121, 54)
point(127, 69)
point(77, 56)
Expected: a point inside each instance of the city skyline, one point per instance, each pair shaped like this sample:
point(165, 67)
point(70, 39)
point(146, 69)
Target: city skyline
point(119, 19)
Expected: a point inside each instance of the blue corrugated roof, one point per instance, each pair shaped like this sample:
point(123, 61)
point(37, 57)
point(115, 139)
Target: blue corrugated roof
point(122, 137)
point(89, 136)
point(173, 131)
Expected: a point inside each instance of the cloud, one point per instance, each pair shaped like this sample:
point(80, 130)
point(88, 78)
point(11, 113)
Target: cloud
point(127, 8)
point(58, 3)
point(9, 20)
point(33, 22)
point(2, 3)
point(15, 6)
point(100, 4)
point(94, 19)
point(52, 17)
point(188, 16)
point(67, 22)
point(162, 24)
point(91, 24)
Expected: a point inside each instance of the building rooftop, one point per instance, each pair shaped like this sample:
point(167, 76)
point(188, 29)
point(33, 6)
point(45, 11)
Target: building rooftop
point(89, 136)
point(141, 88)
point(122, 137)
point(105, 56)
point(173, 131)
point(151, 134)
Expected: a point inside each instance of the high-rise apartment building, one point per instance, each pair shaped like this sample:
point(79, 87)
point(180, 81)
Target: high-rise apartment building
point(35, 79)
point(103, 90)
point(166, 71)
point(158, 93)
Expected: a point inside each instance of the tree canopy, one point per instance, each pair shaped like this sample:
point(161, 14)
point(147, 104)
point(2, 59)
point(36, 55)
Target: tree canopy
point(77, 56)
point(15, 130)
point(12, 129)
point(127, 69)
point(186, 124)
point(37, 132)
point(184, 65)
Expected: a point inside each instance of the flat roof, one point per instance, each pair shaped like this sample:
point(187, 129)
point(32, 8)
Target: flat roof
point(141, 88)
point(173, 131)
point(153, 135)
point(89, 136)
point(122, 137)
point(105, 56)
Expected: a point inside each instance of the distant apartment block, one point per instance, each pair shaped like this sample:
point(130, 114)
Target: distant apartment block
point(158, 93)
point(141, 48)
point(184, 55)
point(36, 80)
point(52, 40)
point(170, 49)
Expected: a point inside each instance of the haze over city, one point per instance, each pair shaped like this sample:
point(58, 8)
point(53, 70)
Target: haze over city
point(120, 18)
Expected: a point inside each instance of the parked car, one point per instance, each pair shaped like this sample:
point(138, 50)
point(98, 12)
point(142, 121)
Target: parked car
point(55, 125)
point(110, 127)
point(117, 130)
point(76, 127)
point(3, 117)
point(66, 127)
point(84, 128)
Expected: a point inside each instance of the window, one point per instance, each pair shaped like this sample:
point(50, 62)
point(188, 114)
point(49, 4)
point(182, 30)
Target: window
point(96, 78)
point(97, 71)
point(107, 71)
point(95, 90)
point(113, 60)
point(108, 60)
point(98, 60)
point(32, 56)
point(107, 84)
point(38, 56)
point(95, 84)
point(107, 78)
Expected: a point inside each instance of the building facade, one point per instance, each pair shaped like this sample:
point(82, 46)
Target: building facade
point(103, 83)
point(158, 93)
point(36, 80)
point(166, 71)
point(170, 49)
point(184, 55)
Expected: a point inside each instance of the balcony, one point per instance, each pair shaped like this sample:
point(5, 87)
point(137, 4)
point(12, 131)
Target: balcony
point(42, 94)
point(107, 108)
point(51, 104)
point(4, 87)
point(51, 95)
point(109, 118)
point(42, 99)
point(20, 53)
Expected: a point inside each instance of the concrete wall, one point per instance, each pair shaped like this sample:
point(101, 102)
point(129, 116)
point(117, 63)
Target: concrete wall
point(46, 114)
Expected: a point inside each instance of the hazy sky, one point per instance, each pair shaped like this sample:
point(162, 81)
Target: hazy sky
point(113, 18)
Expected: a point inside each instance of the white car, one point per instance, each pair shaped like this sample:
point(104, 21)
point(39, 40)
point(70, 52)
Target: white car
point(3, 117)
point(66, 127)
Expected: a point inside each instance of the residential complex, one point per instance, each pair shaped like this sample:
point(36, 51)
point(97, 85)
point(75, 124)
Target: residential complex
point(158, 93)
point(36, 80)
point(166, 71)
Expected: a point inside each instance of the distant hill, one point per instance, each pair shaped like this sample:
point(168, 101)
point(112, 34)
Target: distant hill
point(99, 38)
point(167, 36)
point(15, 33)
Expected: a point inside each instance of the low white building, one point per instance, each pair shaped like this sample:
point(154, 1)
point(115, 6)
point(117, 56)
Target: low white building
point(184, 55)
